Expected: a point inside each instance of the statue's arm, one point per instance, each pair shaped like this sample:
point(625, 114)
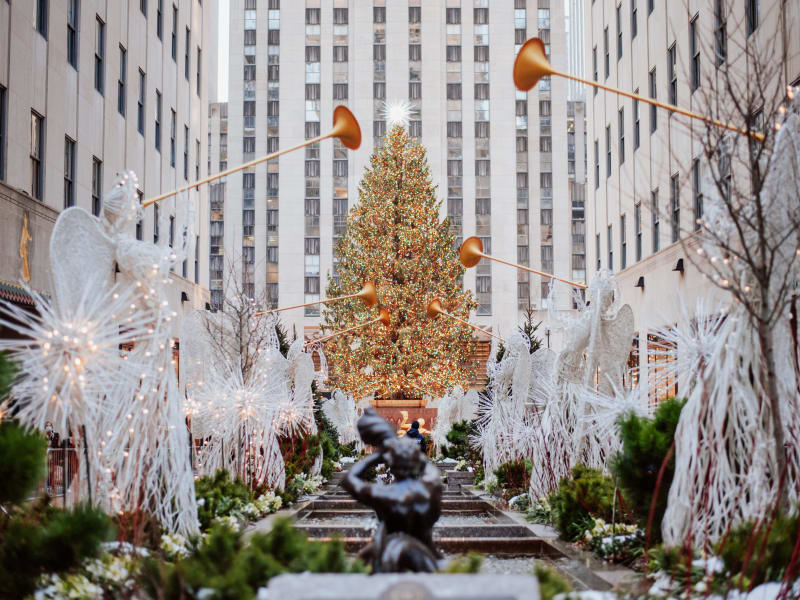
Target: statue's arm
point(353, 482)
point(431, 476)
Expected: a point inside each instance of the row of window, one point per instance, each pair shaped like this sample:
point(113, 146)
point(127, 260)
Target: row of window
point(73, 26)
point(655, 216)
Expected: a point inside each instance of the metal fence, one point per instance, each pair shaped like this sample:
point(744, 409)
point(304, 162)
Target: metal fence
point(62, 482)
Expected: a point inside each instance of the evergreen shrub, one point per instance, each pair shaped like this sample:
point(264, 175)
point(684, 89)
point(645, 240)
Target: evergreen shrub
point(587, 494)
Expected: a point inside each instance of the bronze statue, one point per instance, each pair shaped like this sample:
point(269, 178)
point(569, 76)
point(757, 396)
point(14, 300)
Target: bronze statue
point(407, 508)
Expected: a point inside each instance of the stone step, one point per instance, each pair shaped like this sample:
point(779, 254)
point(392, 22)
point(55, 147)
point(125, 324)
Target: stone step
point(462, 503)
point(472, 532)
point(510, 546)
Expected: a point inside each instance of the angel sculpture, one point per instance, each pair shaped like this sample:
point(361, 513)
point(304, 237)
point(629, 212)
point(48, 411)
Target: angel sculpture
point(454, 407)
point(142, 458)
point(343, 414)
point(726, 460)
point(503, 432)
point(568, 429)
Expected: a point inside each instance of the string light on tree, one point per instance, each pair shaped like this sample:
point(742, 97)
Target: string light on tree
point(396, 239)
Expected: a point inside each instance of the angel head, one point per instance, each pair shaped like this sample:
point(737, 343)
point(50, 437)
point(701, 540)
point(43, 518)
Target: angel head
point(121, 205)
point(603, 292)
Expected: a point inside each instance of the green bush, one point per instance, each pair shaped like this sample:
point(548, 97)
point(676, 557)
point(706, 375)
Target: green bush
point(514, 477)
point(587, 494)
point(550, 582)
point(22, 462)
point(467, 563)
point(769, 547)
point(458, 440)
point(44, 540)
point(219, 495)
point(233, 570)
point(645, 444)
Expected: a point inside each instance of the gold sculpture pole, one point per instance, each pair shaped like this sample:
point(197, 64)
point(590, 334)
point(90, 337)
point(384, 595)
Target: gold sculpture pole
point(435, 309)
point(472, 251)
point(345, 127)
point(383, 316)
point(531, 65)
point(367, 294)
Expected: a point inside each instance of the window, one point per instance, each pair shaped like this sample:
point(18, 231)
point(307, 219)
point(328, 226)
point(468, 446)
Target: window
point(672, 68)
point(610, 241)
point(140, 223)
point(99, 55)
point(69, 172)
point(656, 220)
point(596, 164)
point(651, 4)
point(187, 58)
point(340, 16)
point(42, 9)
point(653, 94)
point(37, 155)
point(158, 121)
point(160, 19)
point(621, 126)
point(608, 150)
point(312, 16)
point(140, 104)
point(454, 54)
point(720, 32)
point(634, 19)
point(415, 90)
point(172, 135)
point(414, 52)
point(143, 7)
point(171, 240)
point(72, 32)
point(186, 152)
point(414, 14)
point(3, 133)
point(637, 227)
point(752, 9)
point(123, 77)
point(619, 31)
point(199, 64)
point(594, 64)
point(481, 53)
point(379, 14)
point(340, 53)
point(453, 16)
point(155, 223)
point(174, 42)
point(675, 207)
point(607, 60)
point(636, 121)
point(197, 160)
point(694, 48)
point(597, 250)
point(623, 244)
point(697, 194)
point(340, 91)
point(97, 184)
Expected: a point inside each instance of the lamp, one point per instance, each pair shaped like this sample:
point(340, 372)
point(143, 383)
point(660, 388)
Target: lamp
point(640, 283)
point(679, 266)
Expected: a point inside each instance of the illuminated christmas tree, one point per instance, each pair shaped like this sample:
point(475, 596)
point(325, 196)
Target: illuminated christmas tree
point(396, 239)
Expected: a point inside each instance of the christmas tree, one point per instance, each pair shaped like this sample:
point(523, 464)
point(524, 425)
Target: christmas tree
point(396, 239)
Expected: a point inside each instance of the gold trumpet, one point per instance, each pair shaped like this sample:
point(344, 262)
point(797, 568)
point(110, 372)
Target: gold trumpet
point(471, 254)
point(345, 127)
point(368, 295)
point(531, 65)
point(435, 309)
point(383, 316)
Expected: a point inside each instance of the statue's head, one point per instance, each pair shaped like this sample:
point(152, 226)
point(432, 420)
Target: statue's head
point(404, 457)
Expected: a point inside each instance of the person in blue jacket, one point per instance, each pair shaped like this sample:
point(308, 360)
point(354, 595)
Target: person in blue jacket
point(415, 435)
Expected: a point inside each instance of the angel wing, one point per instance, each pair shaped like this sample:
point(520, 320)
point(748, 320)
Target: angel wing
point(615, 340)
point(78, 246)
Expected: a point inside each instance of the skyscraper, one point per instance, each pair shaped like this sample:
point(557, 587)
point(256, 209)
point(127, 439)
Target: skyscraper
point(503, 161)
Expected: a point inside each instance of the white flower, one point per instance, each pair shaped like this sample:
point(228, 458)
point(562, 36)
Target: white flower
point(174, 545)
point(229, 522)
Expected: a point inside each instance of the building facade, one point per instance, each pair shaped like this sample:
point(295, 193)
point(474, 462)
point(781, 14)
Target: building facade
point(649, 177)
point(89, 89)
point(503, 161)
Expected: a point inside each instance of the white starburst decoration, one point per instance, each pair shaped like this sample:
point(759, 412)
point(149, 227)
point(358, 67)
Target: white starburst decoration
point(69, 355)
point(398, 112)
